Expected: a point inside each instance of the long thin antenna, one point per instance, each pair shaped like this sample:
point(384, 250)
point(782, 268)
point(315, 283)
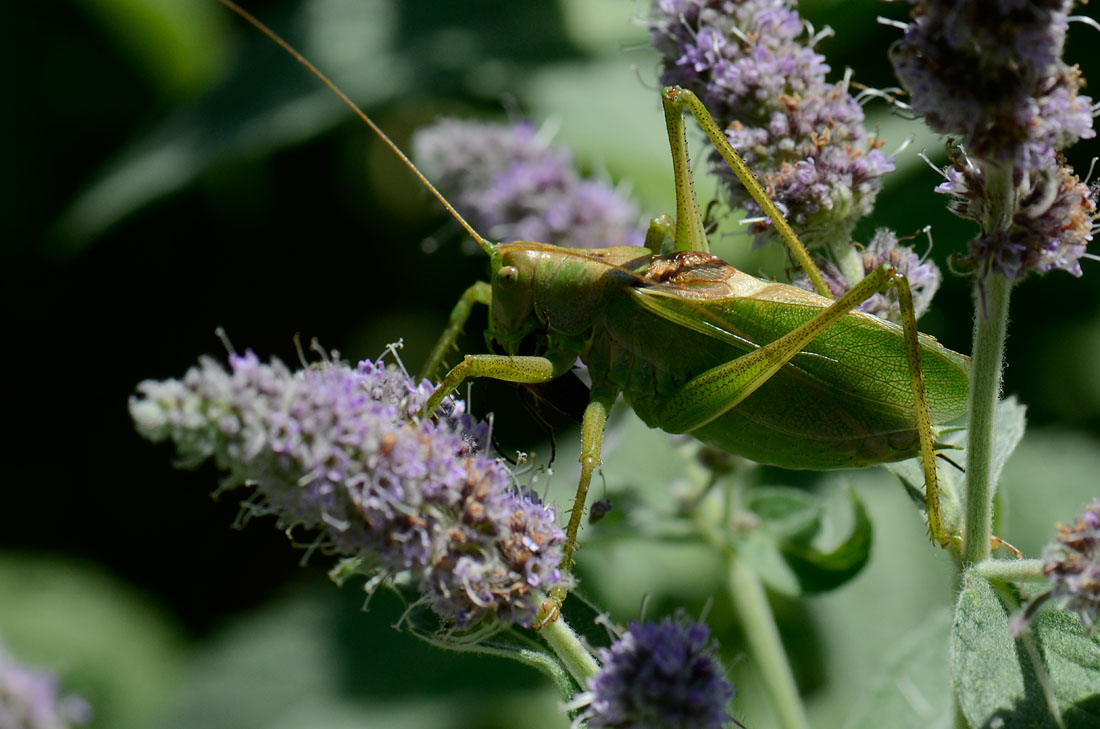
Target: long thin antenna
point(485, 245)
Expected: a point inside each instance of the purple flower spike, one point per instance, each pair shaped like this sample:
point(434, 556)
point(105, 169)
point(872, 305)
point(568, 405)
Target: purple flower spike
point(992, 73)
point(30, 698)
point(923, 274)
point(515, 186)
point(660, 676)
point(1073, 566)
point(752, 64)
point(341, 451)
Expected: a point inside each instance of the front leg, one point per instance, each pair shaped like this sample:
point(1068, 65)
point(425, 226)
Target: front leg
point(524, 370)
point(595, 417)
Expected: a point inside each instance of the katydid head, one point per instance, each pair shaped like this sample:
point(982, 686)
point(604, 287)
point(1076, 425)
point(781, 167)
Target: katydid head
point(545, 297)
point(511, 312)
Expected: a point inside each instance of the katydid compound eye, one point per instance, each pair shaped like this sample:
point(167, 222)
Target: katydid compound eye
point(507, 276)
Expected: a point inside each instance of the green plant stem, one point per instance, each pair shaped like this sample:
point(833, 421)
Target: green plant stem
point(567, 646)
point(848, 260)
point(765, 647)
point(1011, 570)
point(990, 324)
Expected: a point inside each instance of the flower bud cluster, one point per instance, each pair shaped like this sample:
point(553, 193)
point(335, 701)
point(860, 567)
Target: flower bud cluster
point(992, 73)
point(753, 65)
point(1053, 221)
point(922, 273)
point(515, 186)
point(1073, 565)
point(30, 698)
point(342, 451)
point(662, 675)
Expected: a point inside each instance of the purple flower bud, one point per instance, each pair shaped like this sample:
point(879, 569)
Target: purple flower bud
point(341, 451)
point(1053, 222)
point(1073, 566)
point(923, 274)
point(515, 186)
point(752, 64)
point(660, 676)
point(993, 74)
point(30, 698)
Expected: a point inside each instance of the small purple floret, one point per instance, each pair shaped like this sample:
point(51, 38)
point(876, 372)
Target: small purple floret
point(1073, 566)
point(922, 273)
point(30, 698)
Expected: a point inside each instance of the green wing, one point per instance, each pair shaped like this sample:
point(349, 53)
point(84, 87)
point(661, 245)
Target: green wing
point(860, 359)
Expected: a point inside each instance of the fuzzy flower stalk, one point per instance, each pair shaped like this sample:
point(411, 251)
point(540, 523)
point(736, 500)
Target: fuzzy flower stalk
point(1073, 566)
point(341, 451)
point(662, 675)
point(30, 698)
point(992, 74)
point(514, 185)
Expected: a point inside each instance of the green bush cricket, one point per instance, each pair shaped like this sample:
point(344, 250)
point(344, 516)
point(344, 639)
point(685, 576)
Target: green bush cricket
point(759, 369)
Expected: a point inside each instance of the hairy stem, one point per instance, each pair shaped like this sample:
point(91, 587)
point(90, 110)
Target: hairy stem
point(1011, 570)
point(990, 324)
point(765, 647)
point(991, 295)
point(567, 646)
point(848, 261)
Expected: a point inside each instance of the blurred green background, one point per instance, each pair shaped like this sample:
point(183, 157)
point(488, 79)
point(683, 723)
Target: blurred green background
point(171, 171)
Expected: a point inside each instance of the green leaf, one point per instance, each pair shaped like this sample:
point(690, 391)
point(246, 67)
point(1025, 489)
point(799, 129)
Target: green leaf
point(986, 675)
point(1009, 426)
point(1072, 659)
point(109, 642)
point(997, 678)
point(793, 548)
point(786, 513)
point(762, 554)
point(819, 569)
point(911, 687)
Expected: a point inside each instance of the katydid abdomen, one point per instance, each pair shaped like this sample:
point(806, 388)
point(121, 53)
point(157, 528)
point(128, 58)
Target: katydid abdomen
point(843, 401)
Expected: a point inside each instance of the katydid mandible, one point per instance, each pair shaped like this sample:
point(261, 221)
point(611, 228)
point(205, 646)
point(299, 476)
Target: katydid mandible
point(759, 369)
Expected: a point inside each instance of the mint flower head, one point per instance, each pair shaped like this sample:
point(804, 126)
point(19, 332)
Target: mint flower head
point(753, 65)
point(30, 698)
point(1073, 566)
point(1054, 220)
point(923, 274)
point(515, 186)
point(992, 73)
point(660, 676)
point(341, 451)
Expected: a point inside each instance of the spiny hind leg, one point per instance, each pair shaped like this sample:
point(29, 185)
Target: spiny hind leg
point(715, 392)
point(676, 100)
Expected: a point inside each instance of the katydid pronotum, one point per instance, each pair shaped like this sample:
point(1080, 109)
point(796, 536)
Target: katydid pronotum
point(756, 368)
